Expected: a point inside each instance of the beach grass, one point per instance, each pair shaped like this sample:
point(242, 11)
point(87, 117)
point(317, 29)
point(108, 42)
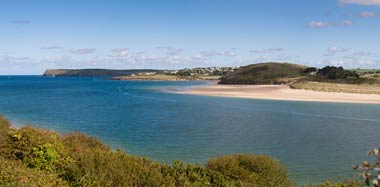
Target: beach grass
point(337, 87)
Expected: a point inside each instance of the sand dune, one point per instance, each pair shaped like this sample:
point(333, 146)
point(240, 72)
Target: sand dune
point(281, 92)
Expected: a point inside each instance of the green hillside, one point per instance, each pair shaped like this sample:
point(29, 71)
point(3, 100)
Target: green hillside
point(264, 73)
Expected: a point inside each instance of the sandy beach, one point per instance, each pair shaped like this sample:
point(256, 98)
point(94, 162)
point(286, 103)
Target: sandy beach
point(280, 92)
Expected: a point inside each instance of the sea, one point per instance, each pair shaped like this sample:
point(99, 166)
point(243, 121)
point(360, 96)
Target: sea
point(315, 141)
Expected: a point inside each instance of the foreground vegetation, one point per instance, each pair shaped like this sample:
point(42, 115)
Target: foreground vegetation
point(35, 157)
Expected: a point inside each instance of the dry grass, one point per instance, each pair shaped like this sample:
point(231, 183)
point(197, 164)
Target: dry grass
point(334, 87)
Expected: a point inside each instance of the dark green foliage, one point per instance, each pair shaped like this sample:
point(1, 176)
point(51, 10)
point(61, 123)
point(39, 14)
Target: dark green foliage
point(332, 72)
point(14, 173)
point(251, 170)
point(184, 73)
point(310, 70)
point(264, 73)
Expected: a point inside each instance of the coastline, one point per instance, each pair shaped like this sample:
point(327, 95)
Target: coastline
point(280, 92)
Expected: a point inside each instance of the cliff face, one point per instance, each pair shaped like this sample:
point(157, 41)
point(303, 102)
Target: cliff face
point(94, 72)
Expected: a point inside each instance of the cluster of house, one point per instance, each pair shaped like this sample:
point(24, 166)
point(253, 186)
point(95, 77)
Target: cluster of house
point(203, 71)
point(144, 73)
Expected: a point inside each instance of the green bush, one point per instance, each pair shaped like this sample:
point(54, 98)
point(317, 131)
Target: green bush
point(39, 149)
point(251, 170)
point(14, 173)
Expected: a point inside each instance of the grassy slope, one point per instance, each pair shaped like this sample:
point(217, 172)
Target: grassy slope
point(264, 73)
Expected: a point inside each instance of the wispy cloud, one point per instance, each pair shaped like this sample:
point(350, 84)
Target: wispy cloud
point(318, 24)
point(366, 14)
point(211, 53)
point(120, 53)
point(361, 2)
point(359, 54)
point(51, 47)
point(322, 24)
point(171, 50)
point(335, 50)
point(57, 59)
point(20, 21)
point(82, 51)
point(13, 58)
point(345, 23)
point(143, 57)
point(283, 57)
point(268, 50)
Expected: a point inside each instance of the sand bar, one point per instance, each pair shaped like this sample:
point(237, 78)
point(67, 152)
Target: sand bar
point(280, 92)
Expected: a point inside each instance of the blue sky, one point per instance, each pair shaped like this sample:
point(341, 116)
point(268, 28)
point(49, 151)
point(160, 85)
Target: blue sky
point(171, 34)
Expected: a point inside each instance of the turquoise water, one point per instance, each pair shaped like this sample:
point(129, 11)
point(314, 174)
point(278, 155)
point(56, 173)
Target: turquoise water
point(314, 140)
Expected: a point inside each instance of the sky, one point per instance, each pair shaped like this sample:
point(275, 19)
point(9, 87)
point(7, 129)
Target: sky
point(172, 34)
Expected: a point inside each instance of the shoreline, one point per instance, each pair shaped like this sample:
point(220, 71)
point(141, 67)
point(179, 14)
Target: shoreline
point(280, 92)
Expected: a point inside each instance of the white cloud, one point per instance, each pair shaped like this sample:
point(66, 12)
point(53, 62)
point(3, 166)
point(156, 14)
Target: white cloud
point(346, 23)
point(366, 14)
point(171, 50)
point(361, 2)
point(269, 50)
point(211, 53)
point(7, 58)
point(57, 59)
point(51, 47)
point(359, 54)
point(318, 24)
point(283, 57)
point(120, 53)
point(337, 62)
point(20, 21)
point(332, 51)
point(82, 51)
point(322, 24)
point(144, 58)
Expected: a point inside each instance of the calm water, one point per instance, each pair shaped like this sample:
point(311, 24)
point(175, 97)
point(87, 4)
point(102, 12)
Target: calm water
point(314, 140)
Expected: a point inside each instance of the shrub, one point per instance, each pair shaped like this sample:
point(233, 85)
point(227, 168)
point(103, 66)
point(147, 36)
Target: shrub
point(36, 148)
point(14, 173)
point(251, 170)
point(332, 72)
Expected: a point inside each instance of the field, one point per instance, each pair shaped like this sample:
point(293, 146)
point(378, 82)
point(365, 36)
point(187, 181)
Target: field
point(337, 87)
